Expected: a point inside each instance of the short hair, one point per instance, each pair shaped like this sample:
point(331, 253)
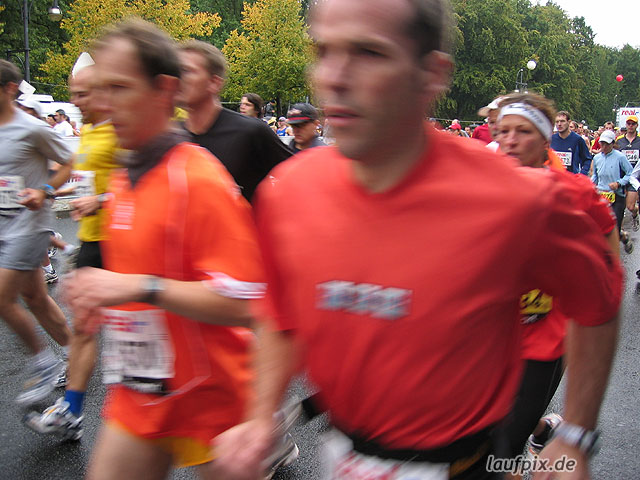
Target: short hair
point(61, 111)
point(155, 49)
point(255, 100)
point(564, 114)
point(545, 105)
point(608, 123)
point(432, 25)
point(9, 73)
point(214, 59)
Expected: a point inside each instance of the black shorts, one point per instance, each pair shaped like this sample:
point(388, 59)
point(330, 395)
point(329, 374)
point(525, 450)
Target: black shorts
point(89, 255)
point(539, 383)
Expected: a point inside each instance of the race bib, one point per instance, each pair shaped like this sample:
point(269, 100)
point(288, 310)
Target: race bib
point(565, 158)
point(10, 187)
point(632, 156)
point(609, 196)
point(137, 349)
point(81, 183)
point(343, 463)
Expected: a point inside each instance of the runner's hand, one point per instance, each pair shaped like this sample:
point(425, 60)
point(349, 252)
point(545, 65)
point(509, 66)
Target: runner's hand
point(240, 452)
point(32, 198)
point(84, 206)
point(88, 289)
point(555, 452)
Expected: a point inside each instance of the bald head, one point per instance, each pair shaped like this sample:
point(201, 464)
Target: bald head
point(80, 88)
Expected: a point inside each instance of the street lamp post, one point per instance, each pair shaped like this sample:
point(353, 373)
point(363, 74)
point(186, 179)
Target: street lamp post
point(25, 24)
point(521, 85)
point(55, 14)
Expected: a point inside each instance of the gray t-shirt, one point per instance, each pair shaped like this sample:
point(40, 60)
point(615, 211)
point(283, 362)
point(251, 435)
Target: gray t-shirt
point(25, 145)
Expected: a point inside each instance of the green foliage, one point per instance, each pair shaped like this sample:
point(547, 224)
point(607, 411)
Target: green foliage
point(268, 49)
point(44, 35)
point(86, 18)
point(230, 12)
point(270, 55)
point(496, 38)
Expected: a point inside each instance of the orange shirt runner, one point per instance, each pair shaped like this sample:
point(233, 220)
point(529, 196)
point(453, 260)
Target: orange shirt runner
point(186, 220)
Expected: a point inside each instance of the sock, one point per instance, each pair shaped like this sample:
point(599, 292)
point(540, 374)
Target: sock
point(48, 268)
point(75, 400)
point(65, 353)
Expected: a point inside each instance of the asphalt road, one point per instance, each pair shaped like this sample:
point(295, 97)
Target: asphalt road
point(26, 455)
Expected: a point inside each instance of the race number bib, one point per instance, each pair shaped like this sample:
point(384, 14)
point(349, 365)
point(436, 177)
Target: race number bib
point(632, 156)
point(137, 349)
point(343, 463)
point(565, 158)
point(609, 196)
point(81, 183)
point(10, 187)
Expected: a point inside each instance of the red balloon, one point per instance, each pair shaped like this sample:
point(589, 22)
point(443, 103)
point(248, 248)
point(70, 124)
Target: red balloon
point(619, 78)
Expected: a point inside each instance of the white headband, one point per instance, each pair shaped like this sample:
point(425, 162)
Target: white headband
point(532, 114)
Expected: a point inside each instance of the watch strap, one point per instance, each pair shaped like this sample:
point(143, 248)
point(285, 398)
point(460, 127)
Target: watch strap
point(587, 441)
point(151, 287)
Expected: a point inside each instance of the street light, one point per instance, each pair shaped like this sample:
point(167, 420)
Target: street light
point(55, 14)
point(521, 85)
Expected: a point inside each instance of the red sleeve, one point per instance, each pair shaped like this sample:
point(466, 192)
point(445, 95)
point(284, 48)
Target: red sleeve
point(588, 199)
point(586, 277)
point(272, 307)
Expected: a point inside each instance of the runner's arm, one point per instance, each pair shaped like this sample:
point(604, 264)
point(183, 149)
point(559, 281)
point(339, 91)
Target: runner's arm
point(634, 177)
point(589, 352)
point(33, 198)
point(91, 288)
point(586, 157)
point(61, 176)
point(241, 451)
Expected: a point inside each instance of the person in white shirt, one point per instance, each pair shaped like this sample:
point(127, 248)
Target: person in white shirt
point(62, 127)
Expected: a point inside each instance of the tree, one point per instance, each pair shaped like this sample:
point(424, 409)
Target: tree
point(490, 48)
point(44, 35)
point(230, 12)
point(87, 17)
point(270, 56)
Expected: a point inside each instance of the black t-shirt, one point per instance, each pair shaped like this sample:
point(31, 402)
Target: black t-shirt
point(246, 146)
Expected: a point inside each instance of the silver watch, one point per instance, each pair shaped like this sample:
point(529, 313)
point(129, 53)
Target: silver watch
point(587, 441)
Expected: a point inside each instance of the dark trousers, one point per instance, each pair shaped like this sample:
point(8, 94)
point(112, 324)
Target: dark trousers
point(539, 383)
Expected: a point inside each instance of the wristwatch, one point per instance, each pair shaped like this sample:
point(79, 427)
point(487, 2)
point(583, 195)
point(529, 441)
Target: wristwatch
point(587, 441)
point(151, 287)
point(48, 190)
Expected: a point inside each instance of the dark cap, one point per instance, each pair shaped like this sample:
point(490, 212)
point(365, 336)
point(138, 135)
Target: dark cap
point(301, 113)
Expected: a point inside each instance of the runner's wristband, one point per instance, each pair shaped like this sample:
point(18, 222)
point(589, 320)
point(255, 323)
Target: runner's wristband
point(151, 287)
point(48, 190)
point(587, 441)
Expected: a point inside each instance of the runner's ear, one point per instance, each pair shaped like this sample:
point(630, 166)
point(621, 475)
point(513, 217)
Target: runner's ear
point(436, 69)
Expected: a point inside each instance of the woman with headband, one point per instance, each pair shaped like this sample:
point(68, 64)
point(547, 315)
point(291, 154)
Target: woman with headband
point(525, 126)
